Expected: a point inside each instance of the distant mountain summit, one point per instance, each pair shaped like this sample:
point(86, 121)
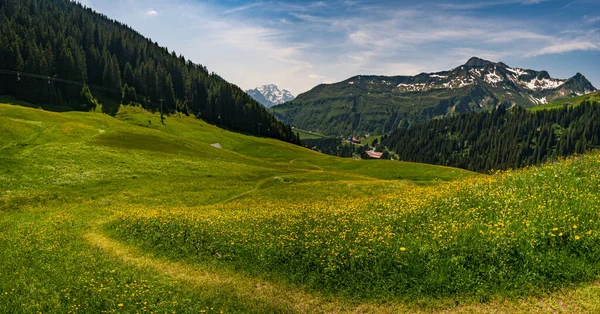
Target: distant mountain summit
point(270, 95)
point(512, 85)
point(379, 104)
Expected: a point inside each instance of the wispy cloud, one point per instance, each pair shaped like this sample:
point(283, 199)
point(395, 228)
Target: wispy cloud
point(151, 13)
point(565, 47)
point(243, 8)
point(300, 45)
point(592, 19)
point(486, 4)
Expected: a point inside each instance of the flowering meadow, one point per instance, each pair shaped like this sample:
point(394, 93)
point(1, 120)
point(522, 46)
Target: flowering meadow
point(512, 233)
point(103, 214)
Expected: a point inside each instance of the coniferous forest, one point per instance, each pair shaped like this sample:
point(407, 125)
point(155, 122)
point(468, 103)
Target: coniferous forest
point(500, 139)
point(74, 58)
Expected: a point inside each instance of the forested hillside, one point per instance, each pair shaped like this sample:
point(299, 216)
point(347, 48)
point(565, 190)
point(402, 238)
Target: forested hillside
point(500, 139)
point(82, 58)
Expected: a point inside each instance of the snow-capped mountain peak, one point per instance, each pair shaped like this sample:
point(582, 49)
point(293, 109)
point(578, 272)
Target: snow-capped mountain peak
point(533, 87)
point(270, 95)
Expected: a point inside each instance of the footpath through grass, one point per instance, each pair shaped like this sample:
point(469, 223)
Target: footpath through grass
point(125, 214)
point(512, 234)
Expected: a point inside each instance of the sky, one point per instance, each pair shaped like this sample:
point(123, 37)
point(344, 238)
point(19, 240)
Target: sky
point(300, 44)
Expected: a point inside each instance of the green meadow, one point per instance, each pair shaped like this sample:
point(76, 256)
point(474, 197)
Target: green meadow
point(126, 214)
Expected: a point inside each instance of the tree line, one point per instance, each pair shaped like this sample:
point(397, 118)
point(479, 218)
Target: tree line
point(63, 39)
point(338, 147)
point(500, 139)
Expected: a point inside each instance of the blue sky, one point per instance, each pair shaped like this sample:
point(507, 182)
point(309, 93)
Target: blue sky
point(299, 44)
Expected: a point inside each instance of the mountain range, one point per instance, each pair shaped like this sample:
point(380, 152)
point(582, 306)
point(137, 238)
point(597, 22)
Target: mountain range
point(380, 104)
point(270, 95)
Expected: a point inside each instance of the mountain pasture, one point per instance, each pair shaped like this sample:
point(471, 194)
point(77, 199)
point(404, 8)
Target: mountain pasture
point(125, 214)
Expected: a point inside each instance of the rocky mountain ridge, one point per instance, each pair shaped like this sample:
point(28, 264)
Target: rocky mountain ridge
point(379, 104)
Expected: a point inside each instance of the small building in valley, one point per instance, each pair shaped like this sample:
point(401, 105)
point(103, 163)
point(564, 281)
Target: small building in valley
point(371, 155)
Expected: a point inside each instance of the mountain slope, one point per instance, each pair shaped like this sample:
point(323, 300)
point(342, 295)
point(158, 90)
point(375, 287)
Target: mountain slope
point(62, 175)
point(501, 139)
point(574, 101)
point(60, 53)
point(380, 104)
point(270, 95)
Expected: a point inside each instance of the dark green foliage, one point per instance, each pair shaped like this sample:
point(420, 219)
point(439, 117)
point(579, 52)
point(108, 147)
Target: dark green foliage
point(501, 139)
point(341, 148)
point(64, 41)
point(335, 147)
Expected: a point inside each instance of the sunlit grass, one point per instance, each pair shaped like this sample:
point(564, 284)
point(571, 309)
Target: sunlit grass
point(513, 233)
point(103, 214)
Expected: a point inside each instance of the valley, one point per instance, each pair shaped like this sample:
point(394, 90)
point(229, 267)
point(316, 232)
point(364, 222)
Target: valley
point(89, 223)
point(136, 180)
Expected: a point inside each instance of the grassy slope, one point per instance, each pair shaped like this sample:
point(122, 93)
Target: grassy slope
point(308, 135)
point(63, 176)
point(595, 96)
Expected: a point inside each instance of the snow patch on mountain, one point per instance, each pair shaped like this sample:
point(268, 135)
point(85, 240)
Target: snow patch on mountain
point(538, 101)
point(459, 82)
point(585, 92)
point(493, 78)
point(414, 87)
point(518, 72)
point(543, 84)
point(476, 72)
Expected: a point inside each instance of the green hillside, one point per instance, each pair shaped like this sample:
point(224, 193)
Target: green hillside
point(125, 214)
point(63, 56)
point(574, 101)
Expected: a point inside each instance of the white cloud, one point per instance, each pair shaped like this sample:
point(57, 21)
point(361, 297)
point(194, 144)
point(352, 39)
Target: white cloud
point(516, 35)
point(565, 47)
point(485, 4)
point(243, 8)
point(591, 19)
point(151, 13)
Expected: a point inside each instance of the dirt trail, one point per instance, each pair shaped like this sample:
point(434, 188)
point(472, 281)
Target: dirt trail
point(287, 298)
point(295, 300)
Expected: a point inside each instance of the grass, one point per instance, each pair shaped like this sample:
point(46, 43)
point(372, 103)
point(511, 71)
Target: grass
point(574, 101)
point(125, 214)
point(308, 135)
point(483, 236)
point(369, 140)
